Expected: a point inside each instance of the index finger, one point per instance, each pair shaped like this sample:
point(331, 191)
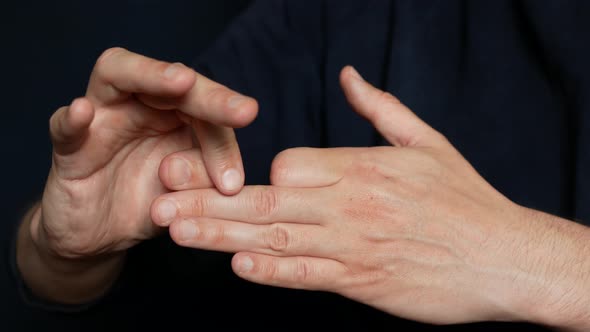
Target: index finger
point(119, 73)
point(254, 204)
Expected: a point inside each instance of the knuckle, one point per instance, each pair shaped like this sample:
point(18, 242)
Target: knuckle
point(387, 99)
point(303, 271)
point(265, 202)
point(271, 271)
point(213, 235)
point(197, 207)
point(278, 238)
point(223, 148)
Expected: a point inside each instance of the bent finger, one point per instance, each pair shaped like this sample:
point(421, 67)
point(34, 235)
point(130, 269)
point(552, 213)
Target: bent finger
point(221, 155)
point(184, 170)
point(119, 73)
point(68, 126)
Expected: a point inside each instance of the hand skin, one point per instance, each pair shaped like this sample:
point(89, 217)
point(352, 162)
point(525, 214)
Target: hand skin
point(411, 229)
point(109, 147)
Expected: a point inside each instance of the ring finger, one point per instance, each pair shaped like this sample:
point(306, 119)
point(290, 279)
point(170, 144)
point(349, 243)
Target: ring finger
point(279, 239)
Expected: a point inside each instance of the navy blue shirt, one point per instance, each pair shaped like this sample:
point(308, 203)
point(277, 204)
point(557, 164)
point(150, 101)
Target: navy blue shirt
point(506, 81)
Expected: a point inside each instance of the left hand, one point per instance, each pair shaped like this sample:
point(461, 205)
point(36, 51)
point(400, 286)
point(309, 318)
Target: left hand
point(412, 230)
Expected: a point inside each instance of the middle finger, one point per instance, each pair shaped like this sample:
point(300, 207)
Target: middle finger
point(279, 239)
point(254, 204)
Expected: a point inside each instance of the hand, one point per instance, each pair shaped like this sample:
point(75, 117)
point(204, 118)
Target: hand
point(412, 230)
point(110, 145)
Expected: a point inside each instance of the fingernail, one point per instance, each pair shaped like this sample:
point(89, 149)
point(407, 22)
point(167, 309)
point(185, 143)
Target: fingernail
point(236, 101)
point(166, 211)
point(231, 180)
point(245, 264)
point(172, 70)
point(179, 172)
point(188, 230)
point(355, 73)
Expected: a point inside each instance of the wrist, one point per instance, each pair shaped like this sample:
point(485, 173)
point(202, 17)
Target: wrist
point(552, 277)
point(57, 278)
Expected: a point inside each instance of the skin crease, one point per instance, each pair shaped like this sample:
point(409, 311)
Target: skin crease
point(411, 229)
point(108, 148)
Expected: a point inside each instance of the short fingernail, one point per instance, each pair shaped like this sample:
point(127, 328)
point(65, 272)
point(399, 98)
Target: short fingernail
point(236, 101)
point(172, 70)
point(179, 172)
point(187, 230)
point(245, 264)
point(231, 179)
point(166, 211)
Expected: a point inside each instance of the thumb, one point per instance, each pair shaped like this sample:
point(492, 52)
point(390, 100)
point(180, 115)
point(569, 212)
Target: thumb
point(397, 123)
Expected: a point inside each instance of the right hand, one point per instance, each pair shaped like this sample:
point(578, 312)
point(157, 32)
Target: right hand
point(110, 145)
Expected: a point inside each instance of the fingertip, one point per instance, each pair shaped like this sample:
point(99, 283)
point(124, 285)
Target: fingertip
point(175, 172)
point(232, 181)
point(242, 263)
point(163, 172)
point(163, 211)
point(184, 231)
point(246, 113)
point(153, 213)
point(80, 113)
point(349, 73)
point(241, 110)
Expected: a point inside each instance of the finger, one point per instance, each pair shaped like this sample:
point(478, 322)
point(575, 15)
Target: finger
point(212, 102)
point(280, 239)
point(254, 204)
point(68, 126)
point(299, 272)
point(221, 155)
point(209, 101)
point(397, 123)
point(311, 167)
point(118, 73)
point(184, 170)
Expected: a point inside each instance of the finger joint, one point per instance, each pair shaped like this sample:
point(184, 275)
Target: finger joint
point(278, 238)
point(266, 202)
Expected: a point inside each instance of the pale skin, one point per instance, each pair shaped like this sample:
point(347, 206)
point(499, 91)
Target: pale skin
point(109, 147)
point(410, 229)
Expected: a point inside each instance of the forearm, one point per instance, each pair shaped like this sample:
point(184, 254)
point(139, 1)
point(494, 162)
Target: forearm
point(58, 279)
point(556, 261)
